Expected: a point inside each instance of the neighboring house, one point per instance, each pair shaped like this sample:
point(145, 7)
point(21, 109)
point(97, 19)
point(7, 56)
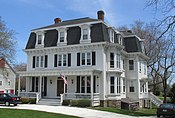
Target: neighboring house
point(98, 62)
point(7, 77)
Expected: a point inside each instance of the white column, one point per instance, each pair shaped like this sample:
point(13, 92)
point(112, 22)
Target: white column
point(40, 82)
point(92, 89)
point(19, 85)
point(27, 84)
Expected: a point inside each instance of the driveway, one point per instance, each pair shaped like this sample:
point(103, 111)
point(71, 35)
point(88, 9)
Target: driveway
point(74, 111)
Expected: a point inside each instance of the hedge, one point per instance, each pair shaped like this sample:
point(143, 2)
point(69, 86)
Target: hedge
point(77, 103)
point(28, 100)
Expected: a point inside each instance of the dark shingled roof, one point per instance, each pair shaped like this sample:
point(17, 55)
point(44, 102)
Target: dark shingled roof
point(69, 22)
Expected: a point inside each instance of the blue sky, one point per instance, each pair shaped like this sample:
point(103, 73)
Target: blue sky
point(24, 15)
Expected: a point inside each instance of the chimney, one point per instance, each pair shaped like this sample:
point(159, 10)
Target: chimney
point(100, 15)
point(57, 20)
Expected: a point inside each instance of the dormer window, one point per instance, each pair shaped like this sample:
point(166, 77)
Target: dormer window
point(120, 40)
point(62, 36)
point(40, 39)
point(111, 35)
point(85, 34)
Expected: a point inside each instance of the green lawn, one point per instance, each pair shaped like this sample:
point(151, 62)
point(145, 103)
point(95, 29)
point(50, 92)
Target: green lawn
point(18, 113)
point(141, 112)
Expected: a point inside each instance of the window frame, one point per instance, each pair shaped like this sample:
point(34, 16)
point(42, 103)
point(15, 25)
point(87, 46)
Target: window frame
point(131, 65)
point(85, 35)
point(39, 39)
point(62, 36)
point(112, 65)
point(1, 83)
point(112, 85)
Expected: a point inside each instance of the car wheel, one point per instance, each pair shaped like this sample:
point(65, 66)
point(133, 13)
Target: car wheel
point(15, 104)
point(158, 115)
point(7, 104)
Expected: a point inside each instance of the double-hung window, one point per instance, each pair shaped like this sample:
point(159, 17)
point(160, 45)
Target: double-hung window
point(131, 86)
point(118, 60)
point(64, 60)
point(59, 60)
point(111, 60)
point(124, 85)
point(88, 58)
point(112, 84)
point(83, 59)
point(140, 67)
point(118, 85)
point(39, 39)
point(131, 64)
point(62, 36)
point(85, 34)
point(0, 83)
point(37, 61)
point(42, 61)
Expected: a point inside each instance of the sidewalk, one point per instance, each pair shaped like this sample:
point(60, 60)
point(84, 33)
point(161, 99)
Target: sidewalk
point(74, 111)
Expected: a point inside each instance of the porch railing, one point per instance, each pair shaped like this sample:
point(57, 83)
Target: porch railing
point(154, 99)
point(36, 95)
point(95, 100)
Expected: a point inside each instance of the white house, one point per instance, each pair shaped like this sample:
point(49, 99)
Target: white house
point(7, 77)
point(98, 62)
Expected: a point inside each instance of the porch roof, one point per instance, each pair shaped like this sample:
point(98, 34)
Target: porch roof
point(58, 72)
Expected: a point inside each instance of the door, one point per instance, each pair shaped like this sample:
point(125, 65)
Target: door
point(60, 87)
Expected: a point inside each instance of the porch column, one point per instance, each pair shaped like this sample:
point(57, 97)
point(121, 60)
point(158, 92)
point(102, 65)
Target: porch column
point(27, 84)
point(40, 83)
point(19, 85)
point(92, 97)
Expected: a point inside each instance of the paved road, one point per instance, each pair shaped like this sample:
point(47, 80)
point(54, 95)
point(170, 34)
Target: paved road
point(74, 111)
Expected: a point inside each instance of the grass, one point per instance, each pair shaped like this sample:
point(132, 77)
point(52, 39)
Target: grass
point(18, 113)
point(140, 112)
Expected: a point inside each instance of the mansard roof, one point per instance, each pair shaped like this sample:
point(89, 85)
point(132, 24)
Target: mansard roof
point(69, 22)
point(99, 33)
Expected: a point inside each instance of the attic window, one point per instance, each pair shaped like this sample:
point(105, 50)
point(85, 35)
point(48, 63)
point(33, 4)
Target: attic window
point(85, 34)
point(40, 39)
point(120, 40)
point(111, 35)
point(62, 36)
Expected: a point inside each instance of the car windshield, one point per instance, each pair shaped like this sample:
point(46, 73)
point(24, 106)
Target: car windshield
point(167, 106)
point(12, 95)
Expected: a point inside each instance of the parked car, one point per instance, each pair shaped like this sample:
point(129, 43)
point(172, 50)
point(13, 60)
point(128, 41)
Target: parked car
point(166, 110)
point(8, 98)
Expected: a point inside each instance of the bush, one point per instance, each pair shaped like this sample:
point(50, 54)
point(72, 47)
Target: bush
point(28, 100)
point(74, 102)
point(25, 100)
point(157, 93)
point(84, 103)
point(32, 100)
point(66, 102)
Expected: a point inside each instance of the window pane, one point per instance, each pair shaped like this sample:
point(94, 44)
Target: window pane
point(131, 64)
point(111, 84)
point(42, 61)
point(112, 60)
point(39, 39)
point(88, 58)
point(85, 34)
point(83, 59)
point(61, 36)
point(37, 61)
point(82, 84)
point(59, 60)
point(88, 84)
point(64, 60)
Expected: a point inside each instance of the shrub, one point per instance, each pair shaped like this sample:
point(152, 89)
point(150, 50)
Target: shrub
point(32, 100)
point(84, 103)
point(74, 102)
point(157, 93)
point(25, 100)
point(66, 102)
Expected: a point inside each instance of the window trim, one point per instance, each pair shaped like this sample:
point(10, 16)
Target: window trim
point(85, 27)
point(131, 67)
point(64, 31)
point(42, 34)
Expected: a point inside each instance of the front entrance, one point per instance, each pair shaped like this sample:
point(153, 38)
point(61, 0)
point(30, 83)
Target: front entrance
point(60, 86)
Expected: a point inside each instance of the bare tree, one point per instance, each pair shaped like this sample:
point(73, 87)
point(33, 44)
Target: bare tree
point(7, 42)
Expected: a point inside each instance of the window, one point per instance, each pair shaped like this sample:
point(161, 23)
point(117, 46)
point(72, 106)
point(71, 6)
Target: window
point(131, 64)
point(112, 84)
point(118, 85)
point(42, 61)
point(124, 85)
point(118, 60)
point(37, 61)
point(39, 39)
point(111, 60)
point(88, 58)
point(64, 60)
point(131, 87)
point(83, 59)
point(59, 60)
point(0, 83)
point(145, 69)
point(123, 64)
point(85, 34)
point(111, 35)
point(62, 36)
point(140, 67)
point(88, 84)
point(83, 84)
point(120, 40)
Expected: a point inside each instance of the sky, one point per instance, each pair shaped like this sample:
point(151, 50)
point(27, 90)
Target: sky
point(24, 15)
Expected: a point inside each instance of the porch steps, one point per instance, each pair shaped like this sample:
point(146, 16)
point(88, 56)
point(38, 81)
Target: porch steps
point(49, 102)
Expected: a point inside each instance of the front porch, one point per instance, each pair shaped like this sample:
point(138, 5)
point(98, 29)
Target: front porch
point(82, 84)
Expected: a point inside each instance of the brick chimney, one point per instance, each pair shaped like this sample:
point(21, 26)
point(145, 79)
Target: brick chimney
point(100, 15)
point(2, 62)
point(57, 20)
